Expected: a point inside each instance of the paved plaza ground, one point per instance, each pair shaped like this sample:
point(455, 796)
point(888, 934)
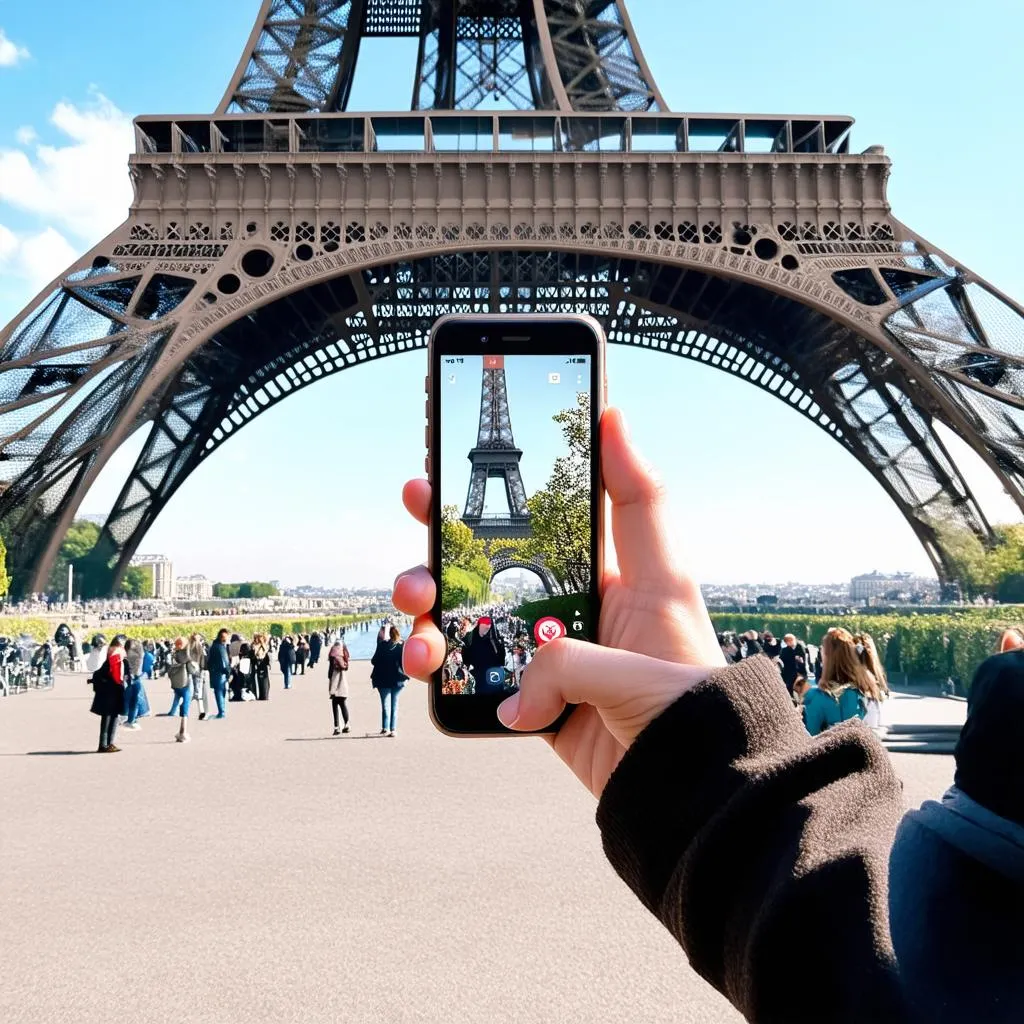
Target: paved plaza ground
point(269, 872)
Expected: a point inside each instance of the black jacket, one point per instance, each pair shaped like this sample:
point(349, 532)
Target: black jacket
point(387, 673)
point(794, 663)
point(483, 652)
point(286, 655)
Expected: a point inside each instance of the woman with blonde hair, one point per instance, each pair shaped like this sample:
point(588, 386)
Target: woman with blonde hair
point(844, 688)
point(868, 654)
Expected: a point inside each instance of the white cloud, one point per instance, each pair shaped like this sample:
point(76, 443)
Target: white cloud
point(26, 135)
point(82, 186)
point(10, 54)
point(34, 258)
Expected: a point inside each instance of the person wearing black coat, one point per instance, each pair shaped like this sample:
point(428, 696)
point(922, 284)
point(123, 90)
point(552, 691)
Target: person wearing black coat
point(286, 659)
point(316, 643)
point(108, 695)
point(388, 676)
point(793, 657)
point(482, 650)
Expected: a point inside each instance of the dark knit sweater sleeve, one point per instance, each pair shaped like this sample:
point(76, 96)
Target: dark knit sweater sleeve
point(763, 851)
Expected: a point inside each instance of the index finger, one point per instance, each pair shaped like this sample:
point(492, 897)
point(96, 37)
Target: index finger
point(642, 547)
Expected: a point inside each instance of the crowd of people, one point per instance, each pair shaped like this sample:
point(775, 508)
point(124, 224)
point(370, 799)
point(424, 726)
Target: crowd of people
point(842, 678)
point(229, 668)
point(488, 650)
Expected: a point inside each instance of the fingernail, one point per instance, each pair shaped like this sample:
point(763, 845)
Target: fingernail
point(508, 711)
point(417, 649)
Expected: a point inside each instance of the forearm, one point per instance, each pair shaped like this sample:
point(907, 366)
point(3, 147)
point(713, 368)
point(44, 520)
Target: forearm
point(764, 852)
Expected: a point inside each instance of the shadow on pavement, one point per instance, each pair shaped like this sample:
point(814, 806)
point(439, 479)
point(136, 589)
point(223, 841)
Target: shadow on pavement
point(53, 753)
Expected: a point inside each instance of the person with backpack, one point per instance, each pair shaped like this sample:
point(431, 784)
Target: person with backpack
point(337, 683)
point(181, 683)
point(108, 683)
point(845, 686)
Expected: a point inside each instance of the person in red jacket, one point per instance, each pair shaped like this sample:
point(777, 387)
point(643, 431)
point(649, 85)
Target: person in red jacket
point(108, 698)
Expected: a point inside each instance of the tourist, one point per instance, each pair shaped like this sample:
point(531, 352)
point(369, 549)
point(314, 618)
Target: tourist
point(261, 666)
point(769, 645)
point(108, 682)
point(133, 654)
point(234, 656)
point(337, 683)
point(196, 664)
point(844, 688)
point(388, 676)
point(97, 654)
point(868, 654)
point(483, 649)
point(218, 663)
point(1012, 639)
point(286, 660)
point(181, 684)
point(793, 661)
point(316, 642)
point(301, 655)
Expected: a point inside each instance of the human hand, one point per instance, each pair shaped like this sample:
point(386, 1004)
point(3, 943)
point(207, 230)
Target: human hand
point(649, 607)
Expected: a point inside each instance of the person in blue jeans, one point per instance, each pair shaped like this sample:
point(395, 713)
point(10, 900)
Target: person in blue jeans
point(388, 677)
point(181, 683)
point(286, 659)
point(218, 662)
point(133, 685)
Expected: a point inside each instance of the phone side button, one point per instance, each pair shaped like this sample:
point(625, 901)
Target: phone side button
point(426, 465)
point(426, 436)
point(426, 384)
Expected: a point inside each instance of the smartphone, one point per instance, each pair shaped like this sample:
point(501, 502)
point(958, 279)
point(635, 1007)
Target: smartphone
point(513, 408)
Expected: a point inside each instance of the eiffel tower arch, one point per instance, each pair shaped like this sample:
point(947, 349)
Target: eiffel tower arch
point(283, 238)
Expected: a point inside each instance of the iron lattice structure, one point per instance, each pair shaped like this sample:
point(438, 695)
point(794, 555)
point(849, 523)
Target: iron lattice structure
point(496, 457)
point(283, 239)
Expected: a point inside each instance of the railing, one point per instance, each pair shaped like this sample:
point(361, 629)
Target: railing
point(512, 132)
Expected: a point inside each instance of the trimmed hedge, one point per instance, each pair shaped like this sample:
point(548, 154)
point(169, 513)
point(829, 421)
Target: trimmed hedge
point(43, 629)
point(921, 647)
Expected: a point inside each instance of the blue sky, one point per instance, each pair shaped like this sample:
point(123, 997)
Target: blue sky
point(533, 399)
point(311, 488)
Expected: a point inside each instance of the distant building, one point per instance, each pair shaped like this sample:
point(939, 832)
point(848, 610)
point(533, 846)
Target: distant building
point(193, 588)
point(893, 586)
point(163, 574)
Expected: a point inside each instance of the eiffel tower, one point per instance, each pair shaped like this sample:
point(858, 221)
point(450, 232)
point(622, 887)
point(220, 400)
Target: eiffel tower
point(496, 457)
point(284, 238)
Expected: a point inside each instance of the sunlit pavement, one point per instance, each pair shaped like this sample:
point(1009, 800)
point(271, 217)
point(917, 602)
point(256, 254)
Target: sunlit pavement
point(269, 872)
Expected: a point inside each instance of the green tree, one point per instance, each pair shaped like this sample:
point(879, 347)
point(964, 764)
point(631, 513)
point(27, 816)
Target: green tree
point(80, 539)
point(5, 580)
point(560, 513)
point(466, 569)
point(137, 581)
point(252, 588)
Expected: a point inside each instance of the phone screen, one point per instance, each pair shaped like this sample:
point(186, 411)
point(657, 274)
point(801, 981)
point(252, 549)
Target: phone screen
point(517, 474)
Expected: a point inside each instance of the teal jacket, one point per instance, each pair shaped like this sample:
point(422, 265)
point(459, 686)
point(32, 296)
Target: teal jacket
point(822, 710)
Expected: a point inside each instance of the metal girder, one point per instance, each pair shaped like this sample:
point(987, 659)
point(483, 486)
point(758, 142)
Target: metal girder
point(545, 54)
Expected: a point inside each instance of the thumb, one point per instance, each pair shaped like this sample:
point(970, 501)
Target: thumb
point(629, 690)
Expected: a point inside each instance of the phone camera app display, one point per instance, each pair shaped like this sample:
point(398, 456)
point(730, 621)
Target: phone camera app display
point(516, 522)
